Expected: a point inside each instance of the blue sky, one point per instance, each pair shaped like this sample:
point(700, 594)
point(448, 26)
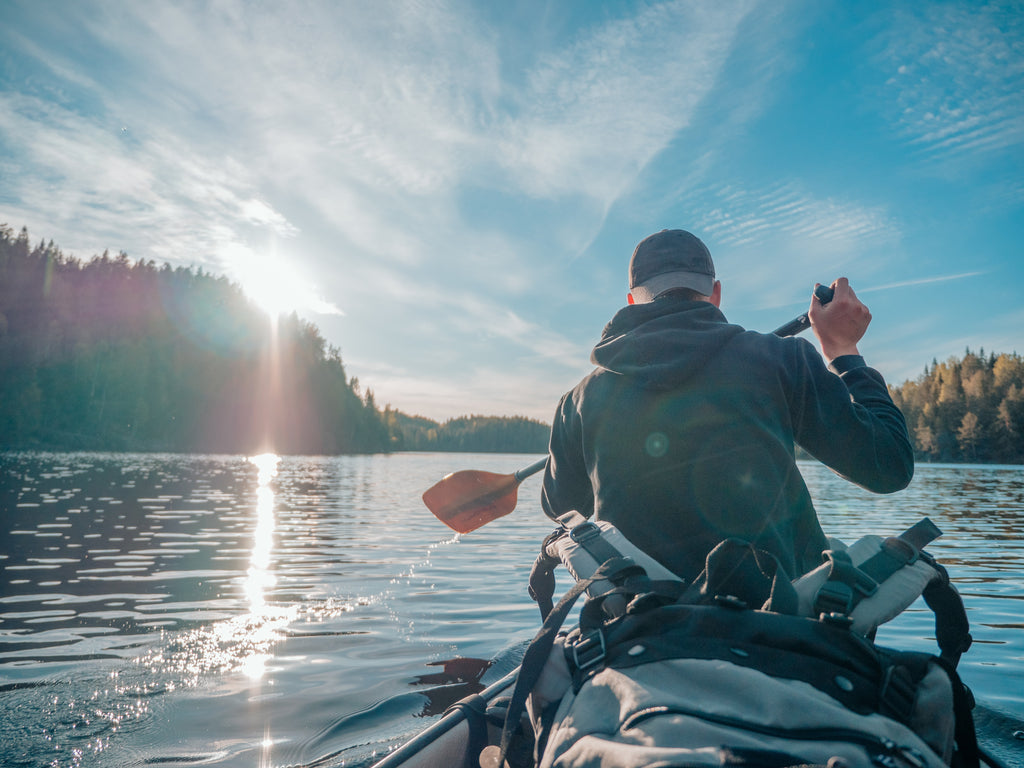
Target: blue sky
point(451, 190)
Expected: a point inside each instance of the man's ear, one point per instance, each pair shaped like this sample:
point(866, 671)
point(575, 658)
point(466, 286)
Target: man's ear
point(629, 298)
point(716, 294)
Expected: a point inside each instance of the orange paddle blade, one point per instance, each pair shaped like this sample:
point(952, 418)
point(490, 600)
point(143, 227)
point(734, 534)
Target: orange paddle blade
point(466, 500)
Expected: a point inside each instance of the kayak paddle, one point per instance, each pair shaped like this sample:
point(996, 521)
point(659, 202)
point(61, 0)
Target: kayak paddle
point(466, 500)
point(471, 498)
point(803, 322)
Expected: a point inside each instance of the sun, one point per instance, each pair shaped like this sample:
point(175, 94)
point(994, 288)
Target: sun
point(273, 283)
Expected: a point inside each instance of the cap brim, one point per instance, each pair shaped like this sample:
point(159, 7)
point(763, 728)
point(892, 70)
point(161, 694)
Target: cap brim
point(647, 291)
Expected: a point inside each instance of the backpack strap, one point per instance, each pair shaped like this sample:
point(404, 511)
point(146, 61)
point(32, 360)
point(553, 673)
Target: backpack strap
point(537, 653)
point(542, 575)
point(969, 753)
point(898, 551)
point(582, 546)
point(952, 629)
point(844, 587)
point(588, 536)
point(847, 584)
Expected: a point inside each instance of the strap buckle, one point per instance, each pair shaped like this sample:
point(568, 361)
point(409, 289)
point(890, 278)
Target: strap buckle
point(834, 597)
point(584, 531)
point(901, 550)
point(589, 650)
point(846, 585)
point(897, 694)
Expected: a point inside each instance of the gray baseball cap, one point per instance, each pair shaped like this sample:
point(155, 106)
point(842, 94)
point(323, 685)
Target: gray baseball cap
point(672, 258)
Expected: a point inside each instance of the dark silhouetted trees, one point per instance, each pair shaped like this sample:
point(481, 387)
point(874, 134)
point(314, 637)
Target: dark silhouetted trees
point(108, 354)
point(483, 434)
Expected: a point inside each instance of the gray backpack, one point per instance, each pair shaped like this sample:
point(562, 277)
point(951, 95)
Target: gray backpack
point(743, 667)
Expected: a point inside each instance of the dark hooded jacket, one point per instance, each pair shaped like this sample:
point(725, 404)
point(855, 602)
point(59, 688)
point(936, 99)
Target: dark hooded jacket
point(684, 435)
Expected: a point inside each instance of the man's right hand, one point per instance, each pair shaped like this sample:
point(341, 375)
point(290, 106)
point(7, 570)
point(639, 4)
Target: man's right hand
point(841, 323)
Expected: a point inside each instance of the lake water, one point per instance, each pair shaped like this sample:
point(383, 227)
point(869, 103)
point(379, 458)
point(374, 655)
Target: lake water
point(170, 610)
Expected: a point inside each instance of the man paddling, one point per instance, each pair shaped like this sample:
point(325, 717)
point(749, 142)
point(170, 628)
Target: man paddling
point(684, 433)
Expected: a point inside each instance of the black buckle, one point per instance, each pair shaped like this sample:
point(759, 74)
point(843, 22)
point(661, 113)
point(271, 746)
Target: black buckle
point(863, 583)
point(834, 597)
point(897, 694)
point(731, 601)
point(843, 570)
point(589, 650)
point(840, 620)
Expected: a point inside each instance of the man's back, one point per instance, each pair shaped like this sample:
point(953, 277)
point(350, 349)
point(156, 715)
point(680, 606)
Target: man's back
point(684, 435)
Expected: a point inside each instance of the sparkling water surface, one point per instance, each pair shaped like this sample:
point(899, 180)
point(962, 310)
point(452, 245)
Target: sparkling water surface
point(174, 610)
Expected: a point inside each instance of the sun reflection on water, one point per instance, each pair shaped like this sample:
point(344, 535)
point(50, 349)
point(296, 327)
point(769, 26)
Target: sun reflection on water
point(243, 643)
point(260, 577)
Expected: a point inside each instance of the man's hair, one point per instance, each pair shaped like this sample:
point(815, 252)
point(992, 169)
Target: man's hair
point(686, 294)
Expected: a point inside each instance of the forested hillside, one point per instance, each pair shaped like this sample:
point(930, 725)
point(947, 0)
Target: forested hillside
point(484, 434)
point(970, 409)
point(108, 354)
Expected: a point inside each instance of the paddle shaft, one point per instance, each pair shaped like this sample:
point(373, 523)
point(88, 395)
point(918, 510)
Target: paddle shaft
point(453, 717)
point(800, 324)
point(533, 469)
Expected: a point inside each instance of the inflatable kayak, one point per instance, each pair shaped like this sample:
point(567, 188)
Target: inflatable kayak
point(743, 667)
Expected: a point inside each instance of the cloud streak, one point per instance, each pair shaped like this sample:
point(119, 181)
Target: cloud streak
point(921, 281)
point(956, 70)
point(603, 92)
point(740, 216)
point(152, 196)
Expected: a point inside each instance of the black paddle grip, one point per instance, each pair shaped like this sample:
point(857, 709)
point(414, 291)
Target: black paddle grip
point(799, 324)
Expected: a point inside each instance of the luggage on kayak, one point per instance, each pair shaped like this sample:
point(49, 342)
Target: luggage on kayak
point(743, 667)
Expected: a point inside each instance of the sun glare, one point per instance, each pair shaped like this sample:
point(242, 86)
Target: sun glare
point(274, 284)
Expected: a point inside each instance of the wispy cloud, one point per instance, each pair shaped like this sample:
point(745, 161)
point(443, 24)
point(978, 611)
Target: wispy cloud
point(738, 216)
point(956, 71)
point(921, 281)
point(100, 187)
point(757, 230)
point(776, 240)
point(632, 84)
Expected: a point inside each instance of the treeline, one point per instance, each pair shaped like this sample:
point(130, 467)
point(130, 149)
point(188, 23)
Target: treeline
point(110, 354)
point(969, 410)
point(483, 434)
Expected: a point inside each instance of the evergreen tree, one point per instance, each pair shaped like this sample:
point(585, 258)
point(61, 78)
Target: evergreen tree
point(484, 434)
point(968, 409)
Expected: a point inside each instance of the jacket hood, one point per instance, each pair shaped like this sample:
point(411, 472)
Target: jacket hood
point(663, 342)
